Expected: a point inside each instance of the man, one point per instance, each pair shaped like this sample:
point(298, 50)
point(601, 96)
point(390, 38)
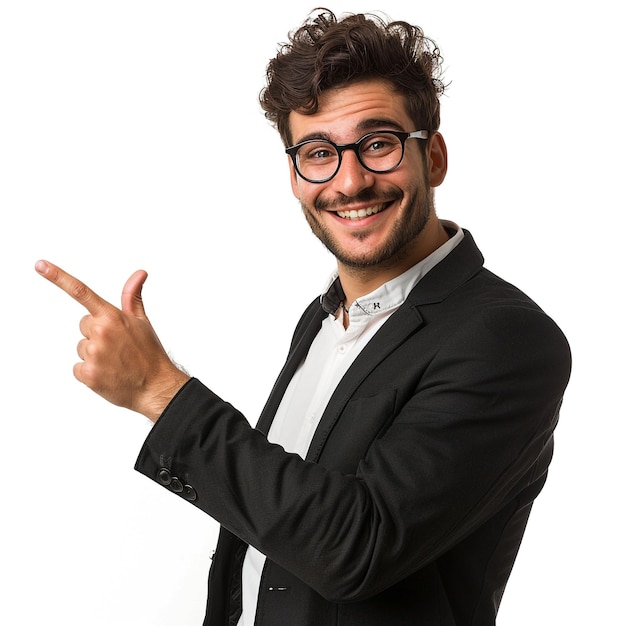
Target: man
point(392, 471)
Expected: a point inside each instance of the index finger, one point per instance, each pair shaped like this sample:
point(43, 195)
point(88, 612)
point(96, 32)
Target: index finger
point(72, 286)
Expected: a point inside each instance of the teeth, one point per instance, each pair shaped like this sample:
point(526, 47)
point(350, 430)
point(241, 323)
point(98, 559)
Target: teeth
point(361, 213)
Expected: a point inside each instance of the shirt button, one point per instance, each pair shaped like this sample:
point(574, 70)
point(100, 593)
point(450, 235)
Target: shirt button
point(341, 349)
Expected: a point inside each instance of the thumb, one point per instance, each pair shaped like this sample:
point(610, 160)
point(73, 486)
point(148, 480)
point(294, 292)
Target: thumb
point(132, 302)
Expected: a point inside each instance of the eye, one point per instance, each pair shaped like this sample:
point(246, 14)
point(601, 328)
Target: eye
point(317, 152)
point(380, 145)
point(321, 153)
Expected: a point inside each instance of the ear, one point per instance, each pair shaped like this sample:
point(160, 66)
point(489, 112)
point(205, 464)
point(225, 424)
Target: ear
point(294, 179)
point(437, 154)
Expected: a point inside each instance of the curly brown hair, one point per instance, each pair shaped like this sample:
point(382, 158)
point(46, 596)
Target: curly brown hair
point(327, 52)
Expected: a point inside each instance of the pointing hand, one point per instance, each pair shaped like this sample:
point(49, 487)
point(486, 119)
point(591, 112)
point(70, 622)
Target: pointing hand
point(121, 356)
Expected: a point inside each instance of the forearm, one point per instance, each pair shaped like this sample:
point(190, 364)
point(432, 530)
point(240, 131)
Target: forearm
point(362, 531)
point(271, 499)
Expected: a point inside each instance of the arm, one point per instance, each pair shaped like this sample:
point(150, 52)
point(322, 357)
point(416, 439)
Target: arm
point(461, 443)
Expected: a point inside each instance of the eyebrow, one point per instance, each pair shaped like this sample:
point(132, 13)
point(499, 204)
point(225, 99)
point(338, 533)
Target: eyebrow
point(377, 124)
point(364, 126)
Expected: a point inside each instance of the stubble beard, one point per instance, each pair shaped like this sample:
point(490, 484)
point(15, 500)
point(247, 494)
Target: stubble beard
point(405, 230)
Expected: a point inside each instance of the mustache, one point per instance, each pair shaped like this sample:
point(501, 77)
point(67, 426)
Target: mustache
point(367, 195)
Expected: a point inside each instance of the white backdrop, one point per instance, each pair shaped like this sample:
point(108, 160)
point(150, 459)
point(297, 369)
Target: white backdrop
point(110, 117)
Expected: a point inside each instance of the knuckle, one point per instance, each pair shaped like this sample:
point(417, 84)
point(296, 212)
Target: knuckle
point(87, 374)
point(80, 291)
point(85, 324)
point(78, 372)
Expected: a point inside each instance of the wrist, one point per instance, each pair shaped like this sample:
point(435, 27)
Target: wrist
point(160, 395)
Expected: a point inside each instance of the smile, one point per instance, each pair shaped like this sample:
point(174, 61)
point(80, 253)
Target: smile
point(361, 213)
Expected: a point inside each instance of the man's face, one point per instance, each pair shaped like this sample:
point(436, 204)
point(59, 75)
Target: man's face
point(392, 209)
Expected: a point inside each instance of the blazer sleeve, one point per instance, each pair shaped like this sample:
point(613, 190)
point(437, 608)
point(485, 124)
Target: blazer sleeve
point(460, 441)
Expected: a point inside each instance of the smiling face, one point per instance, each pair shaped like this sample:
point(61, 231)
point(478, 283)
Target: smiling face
point(370, 221)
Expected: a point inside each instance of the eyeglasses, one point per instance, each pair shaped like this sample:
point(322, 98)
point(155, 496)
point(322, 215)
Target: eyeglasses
point(318, 160)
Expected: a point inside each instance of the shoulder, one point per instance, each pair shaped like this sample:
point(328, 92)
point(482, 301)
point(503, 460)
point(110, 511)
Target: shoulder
point(491, 329)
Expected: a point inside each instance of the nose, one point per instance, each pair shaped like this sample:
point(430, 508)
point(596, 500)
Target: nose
point(352, 177)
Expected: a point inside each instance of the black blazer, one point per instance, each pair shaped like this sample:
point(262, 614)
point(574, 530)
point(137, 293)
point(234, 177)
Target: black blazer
point(411, 504)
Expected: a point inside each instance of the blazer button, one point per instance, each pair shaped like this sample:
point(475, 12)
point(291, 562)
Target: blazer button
point(164, 476)
point(189, 493)
point(176, 486)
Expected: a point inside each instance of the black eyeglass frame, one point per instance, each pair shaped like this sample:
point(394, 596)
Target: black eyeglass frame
point(292, 151)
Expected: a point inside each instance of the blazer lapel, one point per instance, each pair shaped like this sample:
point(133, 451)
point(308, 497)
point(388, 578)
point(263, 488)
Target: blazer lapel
point(404, 322)
point(303, 338)
point(458, 267)
point(454, 270)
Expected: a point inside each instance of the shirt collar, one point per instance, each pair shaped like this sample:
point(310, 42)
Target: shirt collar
point(393, 293)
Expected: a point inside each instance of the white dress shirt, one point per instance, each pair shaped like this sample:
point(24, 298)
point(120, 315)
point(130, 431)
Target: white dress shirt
point(332, 352)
